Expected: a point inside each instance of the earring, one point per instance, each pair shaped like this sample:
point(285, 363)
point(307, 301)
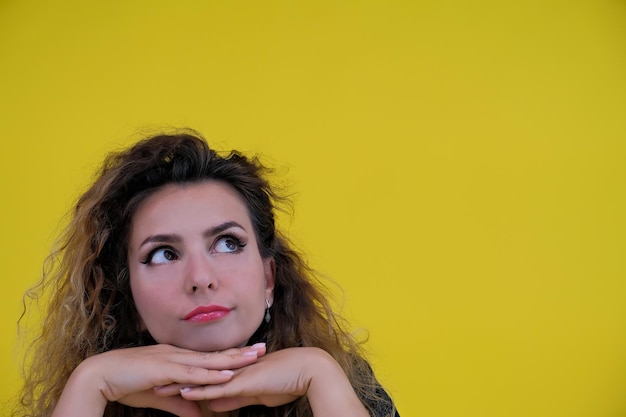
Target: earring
point(268, 316)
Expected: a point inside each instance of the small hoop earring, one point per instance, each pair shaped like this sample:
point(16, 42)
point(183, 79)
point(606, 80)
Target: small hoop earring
point(268, 316)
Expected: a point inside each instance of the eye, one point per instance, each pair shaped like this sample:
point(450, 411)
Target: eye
point(161, 256)
point(228, 244)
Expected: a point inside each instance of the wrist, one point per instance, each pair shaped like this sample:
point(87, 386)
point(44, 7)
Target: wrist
point(330, 392)
point(82, 395)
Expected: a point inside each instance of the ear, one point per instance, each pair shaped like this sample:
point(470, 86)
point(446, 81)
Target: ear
point(269, 267)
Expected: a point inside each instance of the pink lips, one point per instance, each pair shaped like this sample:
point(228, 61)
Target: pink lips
point(206, 313)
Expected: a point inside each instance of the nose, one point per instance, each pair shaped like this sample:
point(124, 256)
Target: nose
point(200, 275)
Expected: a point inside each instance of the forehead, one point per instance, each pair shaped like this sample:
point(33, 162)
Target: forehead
point(189, 205)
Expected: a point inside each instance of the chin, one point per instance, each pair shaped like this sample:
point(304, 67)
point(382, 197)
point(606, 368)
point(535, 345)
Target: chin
point(210, 346)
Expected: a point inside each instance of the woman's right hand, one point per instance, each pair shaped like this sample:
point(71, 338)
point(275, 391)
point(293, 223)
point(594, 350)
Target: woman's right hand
point(130, 375)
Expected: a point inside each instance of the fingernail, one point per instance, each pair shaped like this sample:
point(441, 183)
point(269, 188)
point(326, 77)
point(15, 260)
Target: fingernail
point(250, 353)
point(258, 345)
point(226, 372)
point(186, 389)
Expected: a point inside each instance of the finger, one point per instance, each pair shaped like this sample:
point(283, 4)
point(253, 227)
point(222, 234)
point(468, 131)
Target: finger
point(213, 392)
point(174, 389)
point(202, 369)
point(186, 376)
point(171, 389)
point(204, 392)
point(247, 386)
point(233, 359)
point(259, 347)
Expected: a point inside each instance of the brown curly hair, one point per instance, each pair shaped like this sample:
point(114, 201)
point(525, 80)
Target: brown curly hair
point(90, 308)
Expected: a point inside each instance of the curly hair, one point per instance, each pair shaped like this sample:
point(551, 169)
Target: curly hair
point(86, 285)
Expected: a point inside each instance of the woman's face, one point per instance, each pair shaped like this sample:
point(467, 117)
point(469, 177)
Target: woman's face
point(196, 274)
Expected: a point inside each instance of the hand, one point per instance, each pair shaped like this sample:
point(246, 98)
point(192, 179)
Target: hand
point(275, 379)
point(279, 378)
point(131, 375)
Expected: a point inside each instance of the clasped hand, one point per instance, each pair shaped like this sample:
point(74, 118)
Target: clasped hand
point(177, 380)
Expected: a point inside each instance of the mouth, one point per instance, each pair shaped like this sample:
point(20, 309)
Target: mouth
point(204, 314)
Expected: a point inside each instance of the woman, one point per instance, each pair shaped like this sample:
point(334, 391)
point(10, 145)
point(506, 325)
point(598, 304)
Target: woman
point(172, 292)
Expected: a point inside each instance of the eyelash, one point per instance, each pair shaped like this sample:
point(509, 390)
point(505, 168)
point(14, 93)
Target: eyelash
point(239, 243)
point(150, 255)
point(229, 236)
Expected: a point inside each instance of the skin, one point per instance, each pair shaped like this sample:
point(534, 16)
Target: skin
point(194, 245)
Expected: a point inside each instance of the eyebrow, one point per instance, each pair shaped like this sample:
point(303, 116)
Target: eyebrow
point(215, 230)
point(174, 238)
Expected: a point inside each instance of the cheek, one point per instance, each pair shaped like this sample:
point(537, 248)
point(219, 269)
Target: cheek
point(146, 299)
point(139, 299)
point(252, 278)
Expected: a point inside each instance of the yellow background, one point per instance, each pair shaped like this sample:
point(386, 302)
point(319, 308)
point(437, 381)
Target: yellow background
point(458, 168)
